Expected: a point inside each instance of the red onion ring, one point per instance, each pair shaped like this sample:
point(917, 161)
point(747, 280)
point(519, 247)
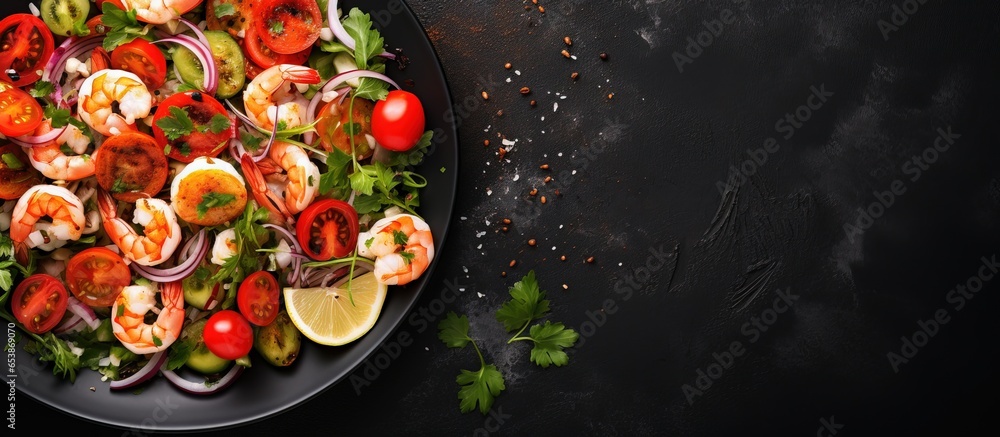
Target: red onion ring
point(262, 153)
point(85, 312)
point(341, 33)
point(73, 47)
point(202, 388)
point(144, 374)
point(38, 140)
point(71, 324)
point(182, 270)
point(204, 55)
point(197, 32)
point(287, 235)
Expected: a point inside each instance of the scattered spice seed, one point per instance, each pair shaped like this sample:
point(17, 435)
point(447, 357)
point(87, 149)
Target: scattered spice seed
point(541, 9)
point(507, 65)
point(534, 2)
point(590, 260)
point(486, 143)
point(500, 113)
point(565, 53)
point(503, 274)
point(533, 192)
point(504, 229)
point(544, 166)
point(532, 242)
point(557, 192)
point(611, 96)
point(565, 287)
point(525, 91)
point(533, 103)
point(506, 221)
point(486, 96)
point(548, 179)
point(604, 56)
point(568, 41)
point(543, 199)
point(574, 76)
point(502, 152)
point(562, 258)
point(513, 263)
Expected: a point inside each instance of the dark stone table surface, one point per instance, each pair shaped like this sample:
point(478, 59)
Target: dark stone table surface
point(792, 209)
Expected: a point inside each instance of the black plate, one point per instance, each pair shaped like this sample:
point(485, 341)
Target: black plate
point(265, 390)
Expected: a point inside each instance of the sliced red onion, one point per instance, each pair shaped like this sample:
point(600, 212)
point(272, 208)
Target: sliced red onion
point(73, 47)
point(197, 31)
point(263, 152)
point(287, 235)
point(71, 324)
point(38, 140)
point(203, 388)
point(85, 312)
point(204, 55)
point(341, 33)
point(144, 374)
point(180, 271)
point(339, 79)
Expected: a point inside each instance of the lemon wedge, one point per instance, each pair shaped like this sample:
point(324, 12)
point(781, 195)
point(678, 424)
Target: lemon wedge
point(326, 315)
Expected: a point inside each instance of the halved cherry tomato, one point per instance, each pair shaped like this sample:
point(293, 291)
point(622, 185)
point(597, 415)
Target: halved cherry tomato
point(117, 3)
point(26, 43)
point(333, 124)
point(142, 58)
point(16, 172)
point(97, 275)
point(200, 108)
point(20, 114)
point(398, 121)
point(288, 26)
point(228, 335)
point(328, 229)
point(99, 60)
point(39, 302)
point(131, 166)
point(257, 298)
point(264, 57)
point(96, 25)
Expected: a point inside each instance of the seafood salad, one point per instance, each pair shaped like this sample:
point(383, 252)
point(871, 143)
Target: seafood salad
point(191, 186)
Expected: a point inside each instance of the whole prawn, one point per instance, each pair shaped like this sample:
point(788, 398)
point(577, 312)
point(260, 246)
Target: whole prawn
point(128, 320)
point(60, 205)
point(402, 246)
point(271, 96)
point(161, 232)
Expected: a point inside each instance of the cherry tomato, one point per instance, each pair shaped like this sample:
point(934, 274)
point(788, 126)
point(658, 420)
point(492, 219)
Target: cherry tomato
point(233, 23)
point(288, 26)
point(257, 298)
point(97, 275)
point(264, 57)
point(398, 121)
point(39, 302)
point(142, 58)
point(26, 43)
point(131, 166)
point(328, 229)
point(228, 335)
point(117, 3)
point(16, 172)
point(99, 60)
point(332, 125)
point(96, 25)
point(208, 138)
point(20, 114)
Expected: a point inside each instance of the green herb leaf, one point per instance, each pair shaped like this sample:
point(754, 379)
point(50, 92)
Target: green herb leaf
point(224, 10)
point(527, 303)
point(550, 340)
point(407, 257)
point(6, 280)
point(367, 41)
point(277, 28)
point(11, 161)
point(124, 26)
point(177, 124)
point(250, 141)
point(400, 238)
point(352, 128)
point(372, 89)
point(42, 88)
point(213, 200)
point(454, 330)
point(218, 124)
point(479, 388)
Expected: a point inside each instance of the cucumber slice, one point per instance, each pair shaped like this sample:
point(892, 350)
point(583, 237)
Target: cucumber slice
point(228, 61)
point(344, 62)
point(201, 359)
point(199, 294)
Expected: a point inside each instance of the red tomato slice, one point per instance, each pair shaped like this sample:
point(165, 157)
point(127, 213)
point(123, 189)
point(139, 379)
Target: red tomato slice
point(20, 114)
point(264, 57)
point(201, 109)
point(328, 229)
point(142, 58)
point(228, 335)
point(39, 302)
point(26, 43)
point(16, 173)
point(97, 275)
point(131, 166)
point(257, 298)
point(288, 26)
point(398, 121)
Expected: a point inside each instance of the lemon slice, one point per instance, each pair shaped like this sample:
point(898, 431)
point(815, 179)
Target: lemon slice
point(326, 315)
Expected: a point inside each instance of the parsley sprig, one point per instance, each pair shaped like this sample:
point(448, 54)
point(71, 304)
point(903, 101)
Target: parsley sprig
point(477, 387)
point(124, 26)
point(250, 238)
point(527, 304)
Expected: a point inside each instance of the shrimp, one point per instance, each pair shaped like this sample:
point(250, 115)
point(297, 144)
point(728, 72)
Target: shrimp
point(402, 246)
point(301, 179)
point(112, 100)
point(160, 11)
point(271, 96)
point(162, 232)
point(129, 314)
point(58, 203)
point(50, 160)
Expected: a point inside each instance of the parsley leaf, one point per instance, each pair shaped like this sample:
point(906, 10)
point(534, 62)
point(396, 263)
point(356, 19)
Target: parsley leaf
point(477, 387)
point(527, 303)
point(335, 178)
point(177, 124)
point(224, 10)
point(124, 26)
point(250, 141)
point(213, 200)
point(217, 124)
point(42, 89)
point(61, 117)
point(277, 28)
point(11, 161)
point(367, 41)
point(550, 339)
point(372, 89)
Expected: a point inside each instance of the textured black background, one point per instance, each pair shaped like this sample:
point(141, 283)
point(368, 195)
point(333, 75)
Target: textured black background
point(647, 165)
